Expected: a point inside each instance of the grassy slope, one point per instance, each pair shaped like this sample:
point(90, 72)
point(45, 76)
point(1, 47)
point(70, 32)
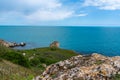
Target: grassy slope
point(10, 71)
point(116, 77)
point(46, 56)
point(49, 54)
point(36, 58)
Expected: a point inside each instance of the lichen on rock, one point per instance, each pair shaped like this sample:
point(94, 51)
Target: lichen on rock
point(83, 68)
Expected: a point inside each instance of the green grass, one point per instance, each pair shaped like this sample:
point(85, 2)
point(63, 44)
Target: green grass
point(98, 62)
point(116, 77)
point(15, 66)
point(49, 56)
point(33, 60)
point(46, 55)
point(10, 71)
point(4, 49)
point(13, 56)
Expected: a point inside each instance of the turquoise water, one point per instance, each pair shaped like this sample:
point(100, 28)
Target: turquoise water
point(104, 40)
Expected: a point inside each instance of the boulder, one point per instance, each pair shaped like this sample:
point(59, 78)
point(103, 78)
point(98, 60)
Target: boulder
point(83, 68)
point(55, 44)
point(11, 44)
point(4, 43)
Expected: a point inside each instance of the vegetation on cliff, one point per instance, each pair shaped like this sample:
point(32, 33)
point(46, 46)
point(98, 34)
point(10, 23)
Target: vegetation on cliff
point(36, 60)
point(26, 64)
point(11, 71)
point(13, 56)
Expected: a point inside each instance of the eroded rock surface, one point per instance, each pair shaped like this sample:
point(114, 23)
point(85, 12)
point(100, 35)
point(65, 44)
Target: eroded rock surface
point(92, 67)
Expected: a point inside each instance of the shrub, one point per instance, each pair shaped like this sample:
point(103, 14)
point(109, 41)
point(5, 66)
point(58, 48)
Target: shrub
point(42, 60)
point(0, 59)
point(34, 62)
point(16, 58)
point(54, 48)
point(116, 77)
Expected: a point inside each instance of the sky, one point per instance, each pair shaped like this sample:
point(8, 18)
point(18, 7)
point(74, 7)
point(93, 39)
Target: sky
point(60, 12)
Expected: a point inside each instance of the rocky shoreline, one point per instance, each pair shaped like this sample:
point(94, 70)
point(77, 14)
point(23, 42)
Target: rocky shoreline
point(11, 44)
point(92, 67)
point(80, 67)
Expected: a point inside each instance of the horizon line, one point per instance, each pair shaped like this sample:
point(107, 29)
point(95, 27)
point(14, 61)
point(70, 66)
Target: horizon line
point(60, 25)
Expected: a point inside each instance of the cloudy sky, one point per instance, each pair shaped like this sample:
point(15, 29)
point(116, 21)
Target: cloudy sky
point(60, 12)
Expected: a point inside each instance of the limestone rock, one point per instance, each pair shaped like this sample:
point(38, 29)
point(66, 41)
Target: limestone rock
point(55, 44)
point(83, 68)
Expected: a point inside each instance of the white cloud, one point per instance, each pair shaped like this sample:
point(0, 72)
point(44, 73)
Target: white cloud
point(104, 4)
point(40, 4)
point(37, 10)
point(82, 14)
point(49, 15)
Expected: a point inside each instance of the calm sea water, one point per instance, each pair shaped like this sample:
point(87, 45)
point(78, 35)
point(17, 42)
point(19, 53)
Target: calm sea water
point(104, 40)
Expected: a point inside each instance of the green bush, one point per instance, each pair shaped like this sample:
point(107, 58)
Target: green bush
point(16, 58)
point(0, 59)
point(54, 48)
point(17, 77)
point(116, 77)
point(34, 62)
point(42, 60)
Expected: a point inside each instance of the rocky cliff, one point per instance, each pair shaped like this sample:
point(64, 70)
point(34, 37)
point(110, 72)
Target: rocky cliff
point(92, 67)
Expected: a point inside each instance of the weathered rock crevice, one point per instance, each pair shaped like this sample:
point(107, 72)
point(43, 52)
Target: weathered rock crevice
point(93, 67)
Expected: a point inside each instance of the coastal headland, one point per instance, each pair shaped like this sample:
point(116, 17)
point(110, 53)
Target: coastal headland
point(54, 63)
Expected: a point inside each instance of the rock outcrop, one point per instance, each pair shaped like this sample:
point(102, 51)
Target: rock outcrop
point(2, 42)
point(55, 44)
point(10, 44)
point(92, 67)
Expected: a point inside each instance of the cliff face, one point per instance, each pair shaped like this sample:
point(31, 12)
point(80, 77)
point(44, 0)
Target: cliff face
point(93, 67)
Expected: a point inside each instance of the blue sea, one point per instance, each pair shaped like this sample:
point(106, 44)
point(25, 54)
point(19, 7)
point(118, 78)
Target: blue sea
point(82, 39)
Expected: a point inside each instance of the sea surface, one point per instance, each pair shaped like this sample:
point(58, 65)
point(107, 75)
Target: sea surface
point(84, 40)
